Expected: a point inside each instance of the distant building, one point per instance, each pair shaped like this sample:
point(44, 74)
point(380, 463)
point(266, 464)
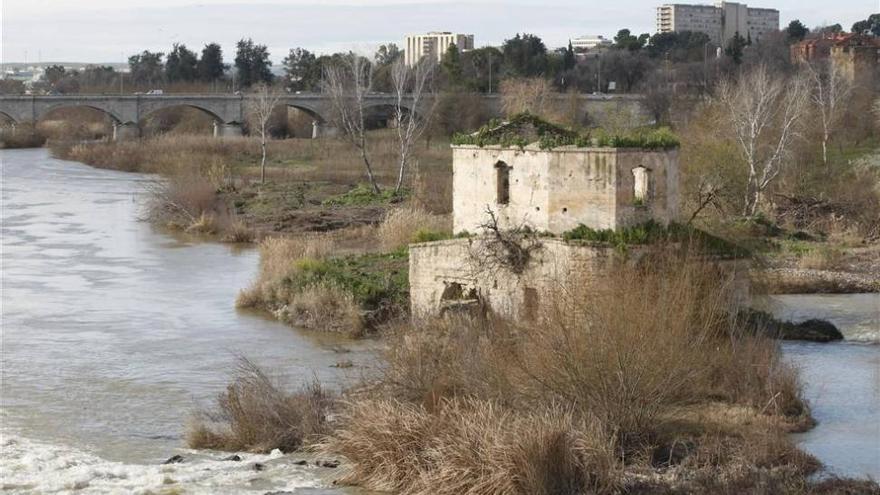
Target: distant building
point(434, 45)
point(590, 42)
point(720, 22)
point(856, 55)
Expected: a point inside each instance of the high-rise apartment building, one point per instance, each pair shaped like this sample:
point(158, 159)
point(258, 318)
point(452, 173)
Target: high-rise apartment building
point(720, 22)
point(434, 45)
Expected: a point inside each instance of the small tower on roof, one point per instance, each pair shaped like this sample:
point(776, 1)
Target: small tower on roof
point(533, 173)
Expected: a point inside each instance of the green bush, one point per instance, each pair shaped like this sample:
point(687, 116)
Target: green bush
point(652, 232)
point(374, 280)
point(509, 134)
point(362, 195)
point(425, 235)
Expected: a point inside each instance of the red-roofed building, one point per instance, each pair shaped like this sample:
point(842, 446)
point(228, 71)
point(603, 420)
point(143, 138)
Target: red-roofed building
point(857, 55)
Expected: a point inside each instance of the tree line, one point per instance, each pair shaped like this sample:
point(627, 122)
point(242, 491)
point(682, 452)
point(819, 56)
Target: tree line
point(633, 63)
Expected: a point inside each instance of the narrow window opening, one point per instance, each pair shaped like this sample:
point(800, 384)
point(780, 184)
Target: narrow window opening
point(642, 187)
point(502, 183)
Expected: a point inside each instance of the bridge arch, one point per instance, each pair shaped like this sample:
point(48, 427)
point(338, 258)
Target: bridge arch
point(6, 119)
point(183, 117)
point(42, 113)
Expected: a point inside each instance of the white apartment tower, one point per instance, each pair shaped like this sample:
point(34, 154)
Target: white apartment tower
point(720, 21)
point(434, 45)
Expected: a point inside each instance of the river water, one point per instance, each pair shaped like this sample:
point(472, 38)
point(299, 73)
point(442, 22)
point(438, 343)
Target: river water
point(112, 333)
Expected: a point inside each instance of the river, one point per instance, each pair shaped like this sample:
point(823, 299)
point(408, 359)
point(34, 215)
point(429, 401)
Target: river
point(113, 333)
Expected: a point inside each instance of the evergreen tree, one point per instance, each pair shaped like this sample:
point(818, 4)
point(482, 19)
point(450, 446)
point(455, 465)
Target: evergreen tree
point(301, 70)
point(568, 59)
point(211, 66)
point(252, 63)
point(146, 67)
point(451, 66)
point(735, 48)
point(524, 56)
point(181, 64)
point(796, 30)
point(870, 26)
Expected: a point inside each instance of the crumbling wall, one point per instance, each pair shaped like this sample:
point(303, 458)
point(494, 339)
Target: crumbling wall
point(453, 267)
point(556, 190)
point(435, 266)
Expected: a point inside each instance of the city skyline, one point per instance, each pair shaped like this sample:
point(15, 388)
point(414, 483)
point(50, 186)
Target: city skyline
point(100, 31)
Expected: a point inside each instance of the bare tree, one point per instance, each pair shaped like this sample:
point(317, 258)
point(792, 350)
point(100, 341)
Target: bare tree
point(347, 83)
point(413, 108)
point(764, 112)
point(829, 90)
point(265, 99)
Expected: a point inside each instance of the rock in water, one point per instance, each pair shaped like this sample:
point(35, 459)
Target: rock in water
point(234, 457)
point(259, 467)
point(175, 459)
point(814, 330)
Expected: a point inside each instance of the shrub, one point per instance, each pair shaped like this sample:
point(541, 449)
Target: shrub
point(362, 195)
point(254, 414)
point(652, 232)
point(186, 200)
point(475, 447)
point(821, 258)
point(614, 366)
point(323, 307)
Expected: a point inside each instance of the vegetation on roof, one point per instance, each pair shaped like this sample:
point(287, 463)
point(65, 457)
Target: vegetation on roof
point(524, 129)
point(652, 232)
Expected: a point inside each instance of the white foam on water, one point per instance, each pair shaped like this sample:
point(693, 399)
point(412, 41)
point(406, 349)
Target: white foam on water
point(28, 466)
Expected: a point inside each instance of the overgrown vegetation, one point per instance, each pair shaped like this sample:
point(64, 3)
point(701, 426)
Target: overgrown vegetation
point(254, 414)
point(352, 280)
point(524, 129)
point(666, 395)
point(312, 185)
point(362, 195)
point(652, 232)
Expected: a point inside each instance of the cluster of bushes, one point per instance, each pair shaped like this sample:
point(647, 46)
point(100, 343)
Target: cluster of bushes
point(669, 396)
point(351, 280)
point(524, 129)
point(652, 232)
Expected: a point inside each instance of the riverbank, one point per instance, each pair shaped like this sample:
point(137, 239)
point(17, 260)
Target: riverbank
point(669, 396)
point(312, 186)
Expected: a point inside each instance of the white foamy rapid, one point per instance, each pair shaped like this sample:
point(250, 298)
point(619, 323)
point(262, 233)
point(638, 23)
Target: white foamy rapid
point(28, 466)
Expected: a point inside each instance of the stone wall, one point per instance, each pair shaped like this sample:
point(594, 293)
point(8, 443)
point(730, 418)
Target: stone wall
point(593, 186)
point(443, 273)
point(435, 266)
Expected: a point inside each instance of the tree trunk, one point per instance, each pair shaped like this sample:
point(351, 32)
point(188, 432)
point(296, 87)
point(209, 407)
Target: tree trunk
point(400, 176)
point(825, 151)
point(263, 161)
point(370, 177)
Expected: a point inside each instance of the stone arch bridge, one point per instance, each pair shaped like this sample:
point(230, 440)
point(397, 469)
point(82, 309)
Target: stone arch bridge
point(229, 111)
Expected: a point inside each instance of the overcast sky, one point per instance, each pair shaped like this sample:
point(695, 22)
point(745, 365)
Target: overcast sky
point(110, 30)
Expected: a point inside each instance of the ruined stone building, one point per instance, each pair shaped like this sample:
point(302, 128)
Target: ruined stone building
point(548, 191)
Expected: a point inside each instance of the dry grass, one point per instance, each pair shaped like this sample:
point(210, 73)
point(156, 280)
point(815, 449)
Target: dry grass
point(822, 258)
point(607, 376)
point(323, 307)
point(403, 226)
point(254, 414)
point(317, 306)
point(23, 136)
point(473, 447)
